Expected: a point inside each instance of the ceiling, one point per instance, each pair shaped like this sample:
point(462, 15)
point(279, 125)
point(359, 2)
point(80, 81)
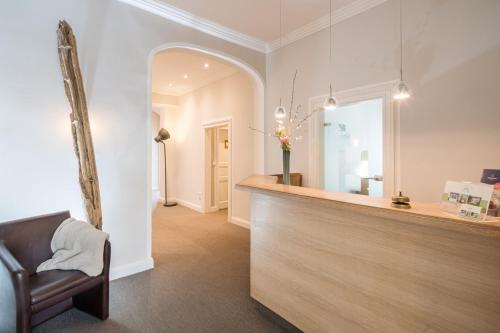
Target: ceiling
point(259, 18)
point(169, 68)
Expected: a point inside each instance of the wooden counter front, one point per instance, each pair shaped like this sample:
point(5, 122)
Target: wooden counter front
point(335, 262)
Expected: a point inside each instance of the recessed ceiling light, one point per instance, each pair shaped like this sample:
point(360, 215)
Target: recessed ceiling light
point(206, 65)
point(186, 76)
point(170, 84)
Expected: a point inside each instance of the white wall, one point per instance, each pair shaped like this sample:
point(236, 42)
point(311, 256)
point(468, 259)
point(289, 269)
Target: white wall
point(155, 184)
point(449, 129)
point(38, 170)
point(234, 97)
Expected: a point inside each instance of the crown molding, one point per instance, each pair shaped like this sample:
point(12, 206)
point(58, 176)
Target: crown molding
point(187, 19)
point(338, 16)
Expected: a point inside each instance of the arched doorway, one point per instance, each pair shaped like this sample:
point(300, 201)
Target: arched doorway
point(258, 120)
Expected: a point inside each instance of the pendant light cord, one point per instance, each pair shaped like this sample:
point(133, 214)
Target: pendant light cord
point(401, 38)
point(331, 67)
point(281, 22)
point(330, 26)
point(281, 34)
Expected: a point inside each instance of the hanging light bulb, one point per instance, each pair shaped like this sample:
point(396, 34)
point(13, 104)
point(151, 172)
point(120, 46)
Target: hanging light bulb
point(402, 92)
point(280, 112)
point(330, 103)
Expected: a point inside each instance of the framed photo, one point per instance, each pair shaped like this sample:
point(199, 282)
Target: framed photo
point(467, 200)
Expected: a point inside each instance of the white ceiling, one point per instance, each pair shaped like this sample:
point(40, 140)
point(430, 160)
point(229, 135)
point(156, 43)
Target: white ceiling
point(169, 68)
point(259, 18)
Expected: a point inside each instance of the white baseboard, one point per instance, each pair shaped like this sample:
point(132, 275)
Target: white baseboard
point(131, 269)
point(240, 222)
point(185, 203)
point(211, 210)
point(234, 220)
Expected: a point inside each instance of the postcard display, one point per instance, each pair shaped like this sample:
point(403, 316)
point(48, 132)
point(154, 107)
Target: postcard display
point(467, 200)
point(492, 177)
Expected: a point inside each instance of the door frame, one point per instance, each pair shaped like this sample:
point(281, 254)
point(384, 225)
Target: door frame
point(222, 122)
point(390, 122)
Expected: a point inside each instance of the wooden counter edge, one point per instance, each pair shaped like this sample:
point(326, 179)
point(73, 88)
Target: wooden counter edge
point(422, 211)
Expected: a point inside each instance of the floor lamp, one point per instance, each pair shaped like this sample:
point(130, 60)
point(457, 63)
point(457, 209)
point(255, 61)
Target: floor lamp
point(163, 136)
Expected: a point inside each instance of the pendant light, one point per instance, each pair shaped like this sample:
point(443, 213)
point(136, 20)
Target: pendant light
point(280, 112)
point(402, 91)
point(330, 102)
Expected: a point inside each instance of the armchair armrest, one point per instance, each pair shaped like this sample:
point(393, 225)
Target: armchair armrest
point(107, 259)
point(15, 311)
point(96, 300)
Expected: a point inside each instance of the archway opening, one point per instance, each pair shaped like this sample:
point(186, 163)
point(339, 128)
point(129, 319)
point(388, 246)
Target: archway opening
point(231, 99)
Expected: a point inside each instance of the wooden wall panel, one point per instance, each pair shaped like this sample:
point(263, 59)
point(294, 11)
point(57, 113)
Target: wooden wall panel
point(344, 269)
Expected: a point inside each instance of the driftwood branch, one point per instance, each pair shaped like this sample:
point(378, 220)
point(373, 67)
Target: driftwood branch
point(80, 127)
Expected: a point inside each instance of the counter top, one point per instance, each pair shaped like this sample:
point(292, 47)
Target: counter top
point(426, 211)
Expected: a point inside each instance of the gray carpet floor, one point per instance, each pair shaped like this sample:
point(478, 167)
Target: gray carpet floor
point(200, 283)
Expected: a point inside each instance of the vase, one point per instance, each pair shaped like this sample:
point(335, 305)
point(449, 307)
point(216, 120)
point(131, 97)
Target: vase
point(286, 167)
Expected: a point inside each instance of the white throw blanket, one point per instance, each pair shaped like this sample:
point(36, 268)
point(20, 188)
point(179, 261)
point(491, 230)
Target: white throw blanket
point(77, 245)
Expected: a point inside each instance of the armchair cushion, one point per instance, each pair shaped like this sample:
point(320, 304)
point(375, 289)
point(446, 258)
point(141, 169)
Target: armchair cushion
point(51, 287)
point(45, 285)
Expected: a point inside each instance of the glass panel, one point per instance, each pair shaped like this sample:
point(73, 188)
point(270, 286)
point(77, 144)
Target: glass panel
point(353, 148)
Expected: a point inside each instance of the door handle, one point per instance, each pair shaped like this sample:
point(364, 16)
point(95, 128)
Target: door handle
point(376, 178)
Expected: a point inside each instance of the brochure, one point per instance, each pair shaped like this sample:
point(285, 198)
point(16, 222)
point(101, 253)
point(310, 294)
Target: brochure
point(467, 200)
point(492, 177)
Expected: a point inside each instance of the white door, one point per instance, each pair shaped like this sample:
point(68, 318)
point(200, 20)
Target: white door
point(222, 167)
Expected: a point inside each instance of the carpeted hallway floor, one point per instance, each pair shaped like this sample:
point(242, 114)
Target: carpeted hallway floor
point(200, 283)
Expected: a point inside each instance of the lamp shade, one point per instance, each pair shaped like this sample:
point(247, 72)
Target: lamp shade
point(280, 112)
point(162, 135)
point(402, 92)
point(330, 103)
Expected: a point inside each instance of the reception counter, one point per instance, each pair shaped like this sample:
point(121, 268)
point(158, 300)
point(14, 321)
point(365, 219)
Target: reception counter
point(338, 262)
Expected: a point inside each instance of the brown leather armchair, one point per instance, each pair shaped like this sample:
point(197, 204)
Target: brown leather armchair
point(28, 298)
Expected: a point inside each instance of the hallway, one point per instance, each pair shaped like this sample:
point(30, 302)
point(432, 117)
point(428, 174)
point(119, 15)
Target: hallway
point(200, 282)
